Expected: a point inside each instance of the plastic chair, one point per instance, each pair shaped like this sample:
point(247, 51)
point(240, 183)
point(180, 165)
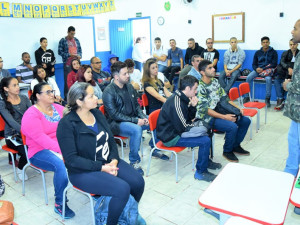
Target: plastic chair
point(234, 95)
point(29, 93)
point(82, 192)
point(145, 102)
point(5, 148)
point(160, 146)
point(244, 88)
point(35, 168)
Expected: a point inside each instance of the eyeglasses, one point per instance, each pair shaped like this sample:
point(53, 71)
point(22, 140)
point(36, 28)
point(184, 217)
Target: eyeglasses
point(97, 62)
point(49, 92)
point(209, 43)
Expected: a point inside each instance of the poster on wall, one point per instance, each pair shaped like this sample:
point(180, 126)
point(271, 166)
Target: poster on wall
point(101, 33)
point(225, 26)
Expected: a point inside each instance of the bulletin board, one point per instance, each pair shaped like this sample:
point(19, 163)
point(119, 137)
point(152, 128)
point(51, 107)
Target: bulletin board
point(23, 35)
point(225, 26)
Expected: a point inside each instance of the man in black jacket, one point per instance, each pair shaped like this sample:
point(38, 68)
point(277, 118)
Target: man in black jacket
point(175, 126)
point(124, 113)
point(193, 49)
point(285, 71)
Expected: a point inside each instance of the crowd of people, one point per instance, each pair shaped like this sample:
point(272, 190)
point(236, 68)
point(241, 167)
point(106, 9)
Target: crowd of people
point(76, 142)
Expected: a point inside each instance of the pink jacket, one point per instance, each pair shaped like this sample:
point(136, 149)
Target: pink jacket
point(40, 133)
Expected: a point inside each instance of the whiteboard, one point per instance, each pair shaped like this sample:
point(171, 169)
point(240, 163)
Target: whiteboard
point(23, 35)
point(225, 26)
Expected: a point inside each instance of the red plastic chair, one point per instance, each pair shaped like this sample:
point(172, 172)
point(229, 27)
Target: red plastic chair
point(234, 95)
point(5, 148)
point(29, 93)
point(160, 146)
point(244, 88)
point(145, 102)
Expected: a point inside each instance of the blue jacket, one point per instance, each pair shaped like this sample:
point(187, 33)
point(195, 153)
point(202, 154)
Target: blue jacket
point(107, 68)
point(262, 59)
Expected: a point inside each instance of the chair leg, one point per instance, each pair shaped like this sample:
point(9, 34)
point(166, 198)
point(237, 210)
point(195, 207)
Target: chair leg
point(45, 188)
point(150, 157)
point(176, 166)
point(193, 158)
point(257, 123)
point(251, 128)
point(92, 208)
point(122, 148)
point(142, 149)
point(14, 166)
point(258, 113)
point(266, 114)
point(23, 181)
point(64, 201)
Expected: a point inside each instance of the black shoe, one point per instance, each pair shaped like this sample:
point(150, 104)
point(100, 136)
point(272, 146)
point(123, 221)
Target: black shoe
point(280, 104)
point(213, 165)
point(239, 150)
point(230, 156)
point(158, 155)
point(119, 143)
point(246, 99)
point(267, 101)
point(206, 176)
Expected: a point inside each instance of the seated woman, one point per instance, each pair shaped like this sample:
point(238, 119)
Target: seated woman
point(154, 88)
point(85, 75)
point(72, 76)
point(12, 107)
point(40, 75)
point(91, 155)
point(39, 125)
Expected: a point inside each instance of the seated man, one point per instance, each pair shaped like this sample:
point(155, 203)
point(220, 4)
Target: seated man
point(233, 61)
point(111, 60)
point(210, 53)
point(135, 75)
point(3, 72)
point(193, 69)
point(175, 61)
point(176, 117)
point(24, 72)
point(193, 49)
point(265, 58)
point(209, 94)
point(285, 71)
point(124, 114)
point(160, 54)
point(99, 76)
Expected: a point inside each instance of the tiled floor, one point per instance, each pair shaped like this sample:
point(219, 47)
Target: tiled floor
point(164, 202)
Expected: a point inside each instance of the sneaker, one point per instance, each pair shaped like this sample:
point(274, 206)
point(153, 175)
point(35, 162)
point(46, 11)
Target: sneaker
point(213, 165)
point(19, 172)
point(140, 220)
point(267, 101)
point(137, 167)
point(16, 163)
point(239, 150)
point(280, 104)
point(68, 212)
point(246, 99)
point(206, 176)
point(158, 155)
point(230, 156)
point(297, 210)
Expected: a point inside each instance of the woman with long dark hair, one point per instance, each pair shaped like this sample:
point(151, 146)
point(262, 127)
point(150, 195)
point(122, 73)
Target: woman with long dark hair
point(72, 76)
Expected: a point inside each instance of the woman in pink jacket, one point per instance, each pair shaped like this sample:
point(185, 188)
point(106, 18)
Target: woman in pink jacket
point(39, 125)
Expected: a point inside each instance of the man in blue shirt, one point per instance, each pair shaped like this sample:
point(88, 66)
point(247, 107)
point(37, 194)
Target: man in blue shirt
point(175, 61)
point(196, 59)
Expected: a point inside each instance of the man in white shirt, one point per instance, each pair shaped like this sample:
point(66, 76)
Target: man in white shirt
point(135, 76)
point(160, 54)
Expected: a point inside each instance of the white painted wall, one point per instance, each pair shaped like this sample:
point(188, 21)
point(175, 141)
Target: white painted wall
point(261, 19)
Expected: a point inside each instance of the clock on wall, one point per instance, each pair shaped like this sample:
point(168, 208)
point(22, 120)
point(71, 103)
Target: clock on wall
point(160, 20)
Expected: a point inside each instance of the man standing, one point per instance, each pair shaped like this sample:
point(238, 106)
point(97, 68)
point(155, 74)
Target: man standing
point(233, 61)
point(69, 48)
point(210, 53)
point(209, 94)
point(175, 61)
point(176, 117)
point(264, 63)
point(193, 49)
point(160, 54)
point(3, 72)
point(285, 71)
point(124, 114)
point(100, 77)
point(24, 72)
point(45, 57)
point(292, 110)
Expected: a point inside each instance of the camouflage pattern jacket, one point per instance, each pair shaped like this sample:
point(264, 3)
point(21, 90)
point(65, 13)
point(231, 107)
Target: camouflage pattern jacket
point(292, 103)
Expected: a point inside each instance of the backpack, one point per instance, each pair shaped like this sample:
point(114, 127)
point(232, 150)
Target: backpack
point(128, 217)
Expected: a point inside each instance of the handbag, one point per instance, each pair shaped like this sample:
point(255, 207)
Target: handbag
point(267, 72)
point(224, 107)
point(6, 212)
point(128, 216)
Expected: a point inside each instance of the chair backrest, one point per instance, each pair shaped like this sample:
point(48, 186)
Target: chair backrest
point(145, 100)
point(244, 88)
point(234, 93)
point(25, 146)
point(29, 93)
point(153, 119)
point(2, 124)
point(101, 108)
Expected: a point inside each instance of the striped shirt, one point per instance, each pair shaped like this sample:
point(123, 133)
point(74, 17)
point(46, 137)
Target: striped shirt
point(25, 73)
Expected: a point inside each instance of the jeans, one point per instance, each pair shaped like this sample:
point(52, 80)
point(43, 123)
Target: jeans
point(268, 79)
point(293, 160)
point(161, 68)
point(128, 181)
point(170, 72)
point(235, 132)
point(46, 160)
point(279, 89)
point(203, 143)
point(67, 70)
point(138, 65)
point(223, 79)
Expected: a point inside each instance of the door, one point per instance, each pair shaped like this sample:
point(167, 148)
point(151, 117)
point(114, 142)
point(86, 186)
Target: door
point(120, 36)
